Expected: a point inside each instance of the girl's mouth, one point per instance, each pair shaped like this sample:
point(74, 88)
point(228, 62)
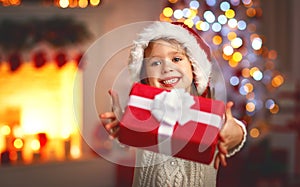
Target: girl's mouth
point(169, 82)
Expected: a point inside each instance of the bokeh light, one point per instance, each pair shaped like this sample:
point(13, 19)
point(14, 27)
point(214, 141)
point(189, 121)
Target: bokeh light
point(217, 40)
point(18, 143)
point(254, 133)
point(224, 6)
point(222, 19)
point(228, 50)
point(230, 28)
point(229, 13)
point(234, 80)
point(178, 14)
point(168, 12)
point(277, 81)
point(209, 16)
point(211, 2)
point(194, 4)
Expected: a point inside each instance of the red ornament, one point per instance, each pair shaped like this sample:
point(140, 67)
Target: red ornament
point(14, 61)
point(80, 60)
point(42, 139)
point(39, 59)
point(60, 59)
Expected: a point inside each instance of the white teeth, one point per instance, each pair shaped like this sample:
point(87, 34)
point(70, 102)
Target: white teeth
point(170, 81)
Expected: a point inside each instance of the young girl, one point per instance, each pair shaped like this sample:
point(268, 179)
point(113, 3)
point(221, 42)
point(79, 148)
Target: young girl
point(171, 55)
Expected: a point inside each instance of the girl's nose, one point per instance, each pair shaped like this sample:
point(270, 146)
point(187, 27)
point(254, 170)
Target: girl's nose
point(168, 66)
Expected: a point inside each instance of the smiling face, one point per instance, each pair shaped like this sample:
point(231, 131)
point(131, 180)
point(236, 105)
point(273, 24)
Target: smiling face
point(167, 66)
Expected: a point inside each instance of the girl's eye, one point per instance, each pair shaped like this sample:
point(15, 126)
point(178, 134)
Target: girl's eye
point(177, 59)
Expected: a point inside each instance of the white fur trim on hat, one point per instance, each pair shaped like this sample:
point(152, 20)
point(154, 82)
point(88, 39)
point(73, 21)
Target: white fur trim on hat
point(158, 30)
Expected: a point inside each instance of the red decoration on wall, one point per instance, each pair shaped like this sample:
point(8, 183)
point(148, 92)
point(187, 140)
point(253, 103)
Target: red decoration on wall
point(14, 61)
point(43, 139)
point(80, 60)
point(39, 59)
point(60, 59)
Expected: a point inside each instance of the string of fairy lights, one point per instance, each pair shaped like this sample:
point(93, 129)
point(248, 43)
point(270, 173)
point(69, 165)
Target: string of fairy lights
point(230, 27)
point(57, 3)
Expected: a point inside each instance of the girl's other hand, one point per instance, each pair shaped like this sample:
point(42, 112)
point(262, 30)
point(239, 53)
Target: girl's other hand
point(110, 120)
point(231, 135)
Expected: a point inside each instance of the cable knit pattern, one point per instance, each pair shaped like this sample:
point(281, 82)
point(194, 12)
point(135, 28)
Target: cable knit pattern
point(159, 170)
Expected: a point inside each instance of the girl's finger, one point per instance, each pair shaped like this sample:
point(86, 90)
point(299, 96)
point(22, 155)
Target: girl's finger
point(228, 110)
point(217, 162)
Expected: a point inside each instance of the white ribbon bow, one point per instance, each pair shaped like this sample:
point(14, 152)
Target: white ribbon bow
point(172, 107)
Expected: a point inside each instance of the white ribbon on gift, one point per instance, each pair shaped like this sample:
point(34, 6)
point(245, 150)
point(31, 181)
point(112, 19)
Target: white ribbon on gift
point(169, 108)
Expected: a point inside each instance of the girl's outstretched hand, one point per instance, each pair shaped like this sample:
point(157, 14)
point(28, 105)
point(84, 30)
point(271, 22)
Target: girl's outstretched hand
point(110, 120)
point(231, 135)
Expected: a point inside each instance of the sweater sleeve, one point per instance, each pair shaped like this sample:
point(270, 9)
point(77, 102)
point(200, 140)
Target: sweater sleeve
point(239, 147)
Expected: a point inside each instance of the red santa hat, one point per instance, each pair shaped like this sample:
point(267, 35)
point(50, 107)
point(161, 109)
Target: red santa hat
point(196, 49)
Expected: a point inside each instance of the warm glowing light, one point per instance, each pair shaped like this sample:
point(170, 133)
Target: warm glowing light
point(232, 63)
point(173, 1)
point(75, 152)
point(15, 2)
point(83, 3)
point(257, 75)
point(5, 130)
point(63, 3)
point(228, 50)
point(204, 26)
point(250, 107)
point(272, 54)
point(178, 14)
point(231, 35)
point(18, 131)
point(254, 133)
point(257, 43)
point(65, 134)
point(277, 81)
point(46, 90)
point(252, 70)
point(94, 2)
point(13, 156)
point(217, 40)
point(275, 109)
point(193, 14)
point(246, 72)
point(229, 13)
point(18, 143)
point(168, 12)
point(189, 23)
point(248, 87)
point(35, 145)
point(236, 42)
point(237, 56)
point(251, 12)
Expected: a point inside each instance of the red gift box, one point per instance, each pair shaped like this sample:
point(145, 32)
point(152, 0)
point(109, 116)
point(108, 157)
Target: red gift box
point(172, 122)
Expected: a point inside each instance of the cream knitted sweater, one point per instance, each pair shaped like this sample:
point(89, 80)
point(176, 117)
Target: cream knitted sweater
point(158, 170)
